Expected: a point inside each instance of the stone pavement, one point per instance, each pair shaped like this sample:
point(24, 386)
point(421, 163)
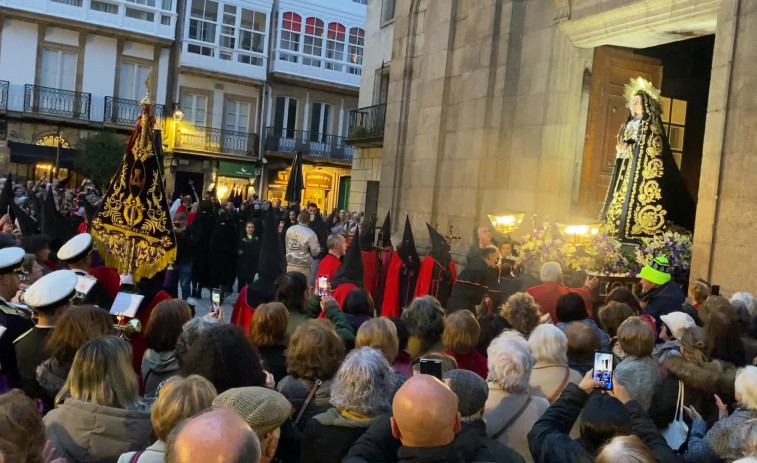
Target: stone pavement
point(203, 304)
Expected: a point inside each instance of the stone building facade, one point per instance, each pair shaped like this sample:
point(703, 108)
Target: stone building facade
point(487, 111)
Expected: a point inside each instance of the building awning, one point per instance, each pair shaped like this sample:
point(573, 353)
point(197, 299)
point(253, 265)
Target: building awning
point(27, 153)
point(239, 169)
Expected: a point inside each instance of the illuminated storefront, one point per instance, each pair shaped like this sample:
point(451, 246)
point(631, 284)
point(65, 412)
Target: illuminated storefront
point(235, 178)
point(321, 185)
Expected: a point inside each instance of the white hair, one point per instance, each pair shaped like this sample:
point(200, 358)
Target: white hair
point(550, 272)
point(364, 383)
point(510, 362)
point(549, 344)
point(745, 387)
point(749, 301)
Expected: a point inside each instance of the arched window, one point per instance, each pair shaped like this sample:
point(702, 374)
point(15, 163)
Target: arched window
point(335, 46)
point(313, 42)
point(291, 26)
point(355, 50)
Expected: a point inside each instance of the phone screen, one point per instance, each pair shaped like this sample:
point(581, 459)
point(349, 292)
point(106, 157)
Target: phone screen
point(323, 285)
point(215, 300)
point(603, 369)
point(715, 290)
point(431, 367)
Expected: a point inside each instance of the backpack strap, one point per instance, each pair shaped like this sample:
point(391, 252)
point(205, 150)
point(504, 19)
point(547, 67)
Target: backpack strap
point(562, 386)
point(135, 457)
point(512, 419)
point(308, 399)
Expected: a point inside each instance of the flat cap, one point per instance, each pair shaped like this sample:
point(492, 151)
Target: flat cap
point(51, 290)
point(261, 408)
point(76, 248)
point(471, 390)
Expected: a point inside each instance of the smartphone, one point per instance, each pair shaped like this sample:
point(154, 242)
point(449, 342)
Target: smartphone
point(715, 290)
point(431, 367)
point(323, 286)
point(603, 366)
point(215, 300)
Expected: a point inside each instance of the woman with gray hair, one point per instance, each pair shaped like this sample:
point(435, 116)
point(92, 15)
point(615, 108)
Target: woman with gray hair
point(511, 410)
point(361, 391)
point(551, 373)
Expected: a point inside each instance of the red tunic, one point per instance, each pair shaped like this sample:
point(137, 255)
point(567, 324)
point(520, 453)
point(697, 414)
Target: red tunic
point(547, 294)
point(370, 275)
point(426, 275)
point(340, 294)
point(242, 313)
point(328, 266)
point(82, 227)
point(390, 306)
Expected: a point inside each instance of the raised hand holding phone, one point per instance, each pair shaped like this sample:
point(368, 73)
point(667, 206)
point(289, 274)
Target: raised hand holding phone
point(603, 368)
point(215, 300)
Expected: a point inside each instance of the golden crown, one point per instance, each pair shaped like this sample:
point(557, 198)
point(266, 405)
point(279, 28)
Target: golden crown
point(640, 85)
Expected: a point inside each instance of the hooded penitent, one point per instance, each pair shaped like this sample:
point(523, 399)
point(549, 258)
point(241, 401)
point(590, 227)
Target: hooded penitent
point(402, 275)
point(53, 224)
point(437, 274)
point(7, 197)
point(349, 275)
point(384, 242)
point(271, 265)
point(223, 250)
point(132, 230)
point(370, 257)
point(26, 223)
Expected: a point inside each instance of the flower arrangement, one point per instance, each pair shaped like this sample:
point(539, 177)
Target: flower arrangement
point(607, 256)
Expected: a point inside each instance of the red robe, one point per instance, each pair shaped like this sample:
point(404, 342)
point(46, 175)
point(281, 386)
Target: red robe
point(242, 313)
point(390, 306)
point(386, 258)
point(109, 279)
point(328, 266)
point(82, 227)
point(370, 275)
point(340, 294)
point(426, 274)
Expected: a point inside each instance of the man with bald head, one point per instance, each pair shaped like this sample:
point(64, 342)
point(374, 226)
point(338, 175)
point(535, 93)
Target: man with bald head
point(425, 419)
point(218, 435)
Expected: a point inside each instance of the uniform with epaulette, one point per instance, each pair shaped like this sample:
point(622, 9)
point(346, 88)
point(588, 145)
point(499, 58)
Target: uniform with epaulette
point(13, 320)
point(76, 254)
point(49, 297)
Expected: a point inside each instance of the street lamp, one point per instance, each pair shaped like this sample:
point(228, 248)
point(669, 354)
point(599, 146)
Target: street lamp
point(178, 114)
point(508, 222)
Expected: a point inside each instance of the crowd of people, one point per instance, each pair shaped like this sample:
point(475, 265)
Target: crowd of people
point(319, 376)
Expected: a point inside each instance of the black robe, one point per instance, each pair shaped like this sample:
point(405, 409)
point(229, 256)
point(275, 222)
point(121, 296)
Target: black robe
point(203, 224)
point(222, 251)
point(474, 282)
point(248, 257)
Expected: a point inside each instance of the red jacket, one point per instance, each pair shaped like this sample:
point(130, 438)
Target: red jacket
point(547, 294)
point(328, 266)
point(472, 361)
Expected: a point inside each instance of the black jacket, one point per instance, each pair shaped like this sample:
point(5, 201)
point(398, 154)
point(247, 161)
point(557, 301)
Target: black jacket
point(550, 442)
point(662, 300)
point(378, 445)
point(186, 241)
point(475, 281)
point(328, 437)
point(274, 361)
point(444, 454)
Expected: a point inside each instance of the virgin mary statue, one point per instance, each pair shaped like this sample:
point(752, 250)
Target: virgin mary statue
point(646, 191)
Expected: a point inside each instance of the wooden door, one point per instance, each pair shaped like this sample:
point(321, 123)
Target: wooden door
point(611, 70)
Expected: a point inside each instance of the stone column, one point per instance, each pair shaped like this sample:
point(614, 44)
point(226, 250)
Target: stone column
point(725, 250)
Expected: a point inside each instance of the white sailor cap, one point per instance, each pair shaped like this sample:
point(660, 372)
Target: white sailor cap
point(76, 248)
point(52, 290)
point(11, 260)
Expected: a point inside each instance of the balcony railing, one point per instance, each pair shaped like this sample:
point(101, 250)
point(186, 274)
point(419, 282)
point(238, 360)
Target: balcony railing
point(4, 84)
point(125, 112)
point(367, 125)
point(310, 143)
point(56, 102)
point(212, 140)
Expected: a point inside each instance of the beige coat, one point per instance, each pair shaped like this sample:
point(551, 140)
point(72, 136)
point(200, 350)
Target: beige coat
point(548, 378)
point(84, 432)
point(501, 406)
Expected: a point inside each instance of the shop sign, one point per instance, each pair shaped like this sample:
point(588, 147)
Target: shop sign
point(278, 178)
point(236, 169)
point(319, 180)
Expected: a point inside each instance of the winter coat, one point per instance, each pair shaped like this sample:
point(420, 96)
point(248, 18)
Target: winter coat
point(156, 453)
point(700, 383)
point(51, 376)
point(328, 437)
point(84, 432)
point(550, 442)
point(722, 441)
point(548, 379)
point(156, 368)
point(335, 316)
point(640, 376)
point(473, 444)
point(296, 391)
point(446, 454)
point(501, 407)
point(274, 361)
point(662, 300)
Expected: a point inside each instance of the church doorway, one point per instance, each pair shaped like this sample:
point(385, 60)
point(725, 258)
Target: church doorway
point(681, 70)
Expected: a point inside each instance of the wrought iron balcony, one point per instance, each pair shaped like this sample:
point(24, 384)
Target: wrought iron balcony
point(56, 102)
point(316, 144)
point(4, 84)
point(125, 112)
point(212, 140)
point(367, 126)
